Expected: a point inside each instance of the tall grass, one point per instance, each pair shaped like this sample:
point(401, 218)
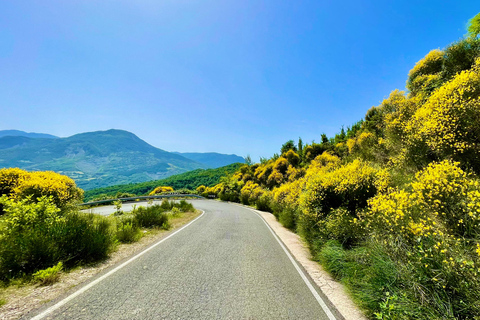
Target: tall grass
point(74, 239)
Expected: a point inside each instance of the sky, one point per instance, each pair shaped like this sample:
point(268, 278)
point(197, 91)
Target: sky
point(236, 77)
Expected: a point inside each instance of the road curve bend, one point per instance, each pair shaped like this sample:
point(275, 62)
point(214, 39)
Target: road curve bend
point(225, 265)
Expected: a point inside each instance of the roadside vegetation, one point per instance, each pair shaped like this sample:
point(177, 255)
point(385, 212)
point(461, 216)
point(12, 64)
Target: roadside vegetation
point(391, 205)
point(42, 232)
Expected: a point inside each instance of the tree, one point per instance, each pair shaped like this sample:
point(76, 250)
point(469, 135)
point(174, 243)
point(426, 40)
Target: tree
point(325, 138)
point(248, 160)
point(474, 26)
point(289, 145)
point(300, 147)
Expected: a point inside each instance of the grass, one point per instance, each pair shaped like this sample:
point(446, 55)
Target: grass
point(381, 287)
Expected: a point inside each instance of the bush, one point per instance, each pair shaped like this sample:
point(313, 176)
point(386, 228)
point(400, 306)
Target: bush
point(38, 235)
point(84, 238)
point(288, 218)
point(432, 228)
point(48, 276)
point(128, 230)
point(263, 202)
point(184, 206)
point(20, 184)
point(150, 217)
point(349, 186)
point(448, 123)
point(159, 190)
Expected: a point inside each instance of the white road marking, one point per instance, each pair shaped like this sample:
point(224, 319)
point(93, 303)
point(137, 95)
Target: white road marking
point(91, 284)
point(304, 277)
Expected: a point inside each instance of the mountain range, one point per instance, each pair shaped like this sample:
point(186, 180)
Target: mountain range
point(101, 158)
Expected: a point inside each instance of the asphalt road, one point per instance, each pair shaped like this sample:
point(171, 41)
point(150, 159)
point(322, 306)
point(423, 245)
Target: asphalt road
point(126, 207)
point(225, 265)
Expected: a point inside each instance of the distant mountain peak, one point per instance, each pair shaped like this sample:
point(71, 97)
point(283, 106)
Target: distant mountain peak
point(18, 133)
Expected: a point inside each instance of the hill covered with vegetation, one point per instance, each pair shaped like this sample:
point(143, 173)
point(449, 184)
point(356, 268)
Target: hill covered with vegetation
point(188, 180)
point(94, 159)
point(391, 206)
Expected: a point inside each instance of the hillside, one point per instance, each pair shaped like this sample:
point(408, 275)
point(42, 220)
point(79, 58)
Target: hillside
point(19, 133)
point(212, 159)
point(94, 159)
point(189, 180)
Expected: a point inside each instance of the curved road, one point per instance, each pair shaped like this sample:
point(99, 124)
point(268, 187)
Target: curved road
point(225, 265)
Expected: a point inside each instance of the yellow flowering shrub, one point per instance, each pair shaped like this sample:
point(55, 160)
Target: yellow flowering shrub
point(294, 174)
point(442, 198)
point(263, 172)
point(398, 112)
point(10, 178)
point(449, 122)
point(435, 226)
point(324, 162)
point(212, 191)
point(162, 189)
point(363, 145)
point(250, 193)
point(420, 77)
point(287, 194)
point(21, 184)
point(348, 186)
point(200, 189)
point(292, 157)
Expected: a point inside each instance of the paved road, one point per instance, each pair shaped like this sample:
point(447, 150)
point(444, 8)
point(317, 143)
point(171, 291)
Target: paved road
point(126, 207)
point(225, 265)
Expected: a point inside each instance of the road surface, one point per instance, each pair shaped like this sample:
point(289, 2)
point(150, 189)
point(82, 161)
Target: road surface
point(225, 265)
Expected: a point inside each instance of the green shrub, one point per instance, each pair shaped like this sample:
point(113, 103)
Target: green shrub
point(48, 276)
point(85, 238)
point(166, 205)
point(175, 212)
point(184, 206)
point(153, 216)
point(288, 218)
point(128, 230)
point(263, 202)
point(37, 236)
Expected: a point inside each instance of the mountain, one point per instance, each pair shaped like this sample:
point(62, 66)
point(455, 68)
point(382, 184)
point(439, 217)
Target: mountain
point(18, 133)
point(212, 159)
point(94, 159)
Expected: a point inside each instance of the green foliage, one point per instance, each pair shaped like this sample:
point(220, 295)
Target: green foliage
point(460, 56)
point(152, 216)
point(118, 207)
point(48, 276)
point(289, 145)
point(37, 235)
point(128, 230)
point(190, 180)
point(474, 26)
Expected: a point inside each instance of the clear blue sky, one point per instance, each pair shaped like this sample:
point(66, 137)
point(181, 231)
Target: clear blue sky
point(227, 76)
